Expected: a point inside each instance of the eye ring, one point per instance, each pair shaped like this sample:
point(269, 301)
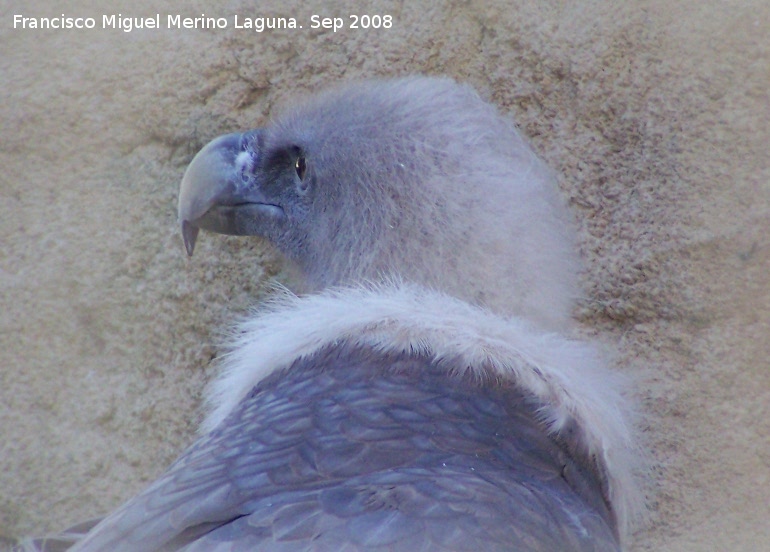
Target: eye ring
point(300, 165)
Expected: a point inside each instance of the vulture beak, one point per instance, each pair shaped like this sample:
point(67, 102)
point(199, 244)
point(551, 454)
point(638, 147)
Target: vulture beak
point(219, 191)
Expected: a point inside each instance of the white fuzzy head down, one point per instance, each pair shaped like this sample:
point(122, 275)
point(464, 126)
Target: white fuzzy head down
point(421, 179)
point(568, 377)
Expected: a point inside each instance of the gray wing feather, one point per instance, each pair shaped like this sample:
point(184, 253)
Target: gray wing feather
point(353, 449)
point(57, 543)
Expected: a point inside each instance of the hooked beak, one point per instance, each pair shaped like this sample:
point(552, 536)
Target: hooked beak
point(219, 194)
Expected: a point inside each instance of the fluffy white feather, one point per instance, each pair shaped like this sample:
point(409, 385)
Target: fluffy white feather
point(568, 377)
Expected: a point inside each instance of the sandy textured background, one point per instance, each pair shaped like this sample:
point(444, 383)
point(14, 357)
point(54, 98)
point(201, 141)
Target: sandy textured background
point(656, 114)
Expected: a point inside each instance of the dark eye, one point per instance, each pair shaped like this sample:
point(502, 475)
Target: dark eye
point(300, 167)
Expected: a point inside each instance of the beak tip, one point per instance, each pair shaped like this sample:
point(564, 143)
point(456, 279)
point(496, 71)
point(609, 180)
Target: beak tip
point(189, 235)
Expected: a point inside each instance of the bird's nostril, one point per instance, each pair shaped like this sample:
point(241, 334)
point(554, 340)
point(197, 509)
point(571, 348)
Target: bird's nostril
point(244, 165)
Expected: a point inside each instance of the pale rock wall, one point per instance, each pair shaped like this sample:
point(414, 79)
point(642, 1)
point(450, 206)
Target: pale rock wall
point(655, 114)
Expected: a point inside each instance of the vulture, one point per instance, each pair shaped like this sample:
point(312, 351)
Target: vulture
point(425, 391)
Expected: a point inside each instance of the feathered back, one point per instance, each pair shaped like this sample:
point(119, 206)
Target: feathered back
point(578, 397)
point(425, 181)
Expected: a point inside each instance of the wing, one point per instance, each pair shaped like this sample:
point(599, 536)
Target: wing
point(355, 449)
point(60, 542)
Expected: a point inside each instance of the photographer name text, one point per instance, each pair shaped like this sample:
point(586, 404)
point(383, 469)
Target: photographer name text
point(256, 24)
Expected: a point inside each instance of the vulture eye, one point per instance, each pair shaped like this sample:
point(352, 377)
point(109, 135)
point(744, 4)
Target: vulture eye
point(300, 167)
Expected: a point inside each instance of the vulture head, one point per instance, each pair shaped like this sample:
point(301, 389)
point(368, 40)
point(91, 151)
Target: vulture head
point(416, 178)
